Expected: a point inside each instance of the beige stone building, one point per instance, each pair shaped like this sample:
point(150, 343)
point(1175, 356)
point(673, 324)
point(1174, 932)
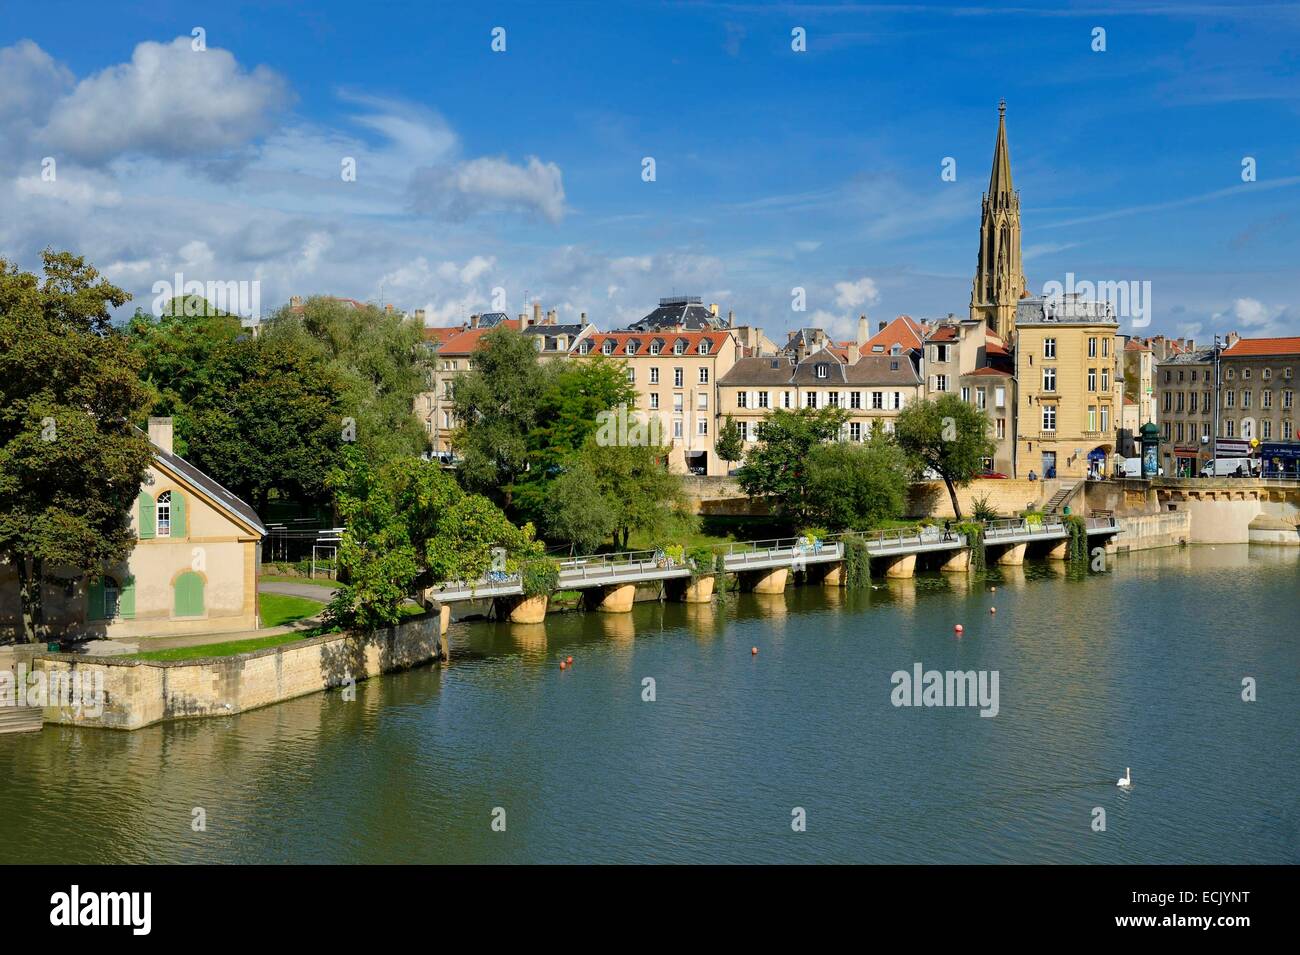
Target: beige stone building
point(193, 568)
point(1069, 391)
point(676, 376)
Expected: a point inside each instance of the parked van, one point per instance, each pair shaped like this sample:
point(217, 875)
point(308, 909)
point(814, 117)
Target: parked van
point(1228, 467)
point(1130, 467)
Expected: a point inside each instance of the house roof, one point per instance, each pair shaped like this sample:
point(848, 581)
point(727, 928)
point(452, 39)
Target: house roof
point(464, 342)
point(903, 331)
point(440, 335)
point(1262, 347)
point(667, 339)
point(988, 371)
point(777, 370)
point(943, 333)
point(685, 311)
point(206, 485)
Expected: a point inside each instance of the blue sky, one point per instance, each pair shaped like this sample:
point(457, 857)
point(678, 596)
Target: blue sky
point(775, 169)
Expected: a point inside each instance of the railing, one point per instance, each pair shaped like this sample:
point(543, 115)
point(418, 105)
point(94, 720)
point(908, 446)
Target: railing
point(613, 565)
point(1017, 527)
point(1102, 523)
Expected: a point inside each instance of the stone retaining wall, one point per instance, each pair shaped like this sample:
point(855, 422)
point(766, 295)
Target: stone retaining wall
point(1149, 531)
point(141, 692)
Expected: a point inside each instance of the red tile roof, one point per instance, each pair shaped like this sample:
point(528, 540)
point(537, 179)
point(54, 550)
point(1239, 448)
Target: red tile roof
point(944, 333)
point(994, 346)
point(464, 342)
point(667, 336)
point(440, 335)
point(903, 331)
point(998, 372)
point(1251, 347)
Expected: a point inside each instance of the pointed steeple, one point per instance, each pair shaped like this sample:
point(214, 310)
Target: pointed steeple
point(1000, 179)
point(999, 282)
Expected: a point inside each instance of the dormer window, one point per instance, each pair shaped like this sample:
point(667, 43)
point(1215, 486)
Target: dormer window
point(897, 349)
point(631, 348)
point(584, 348)
point(539, 343)
point(562, 343)
point(823, 370)
point(655, 347)
point(679, 347)
point(608, 347)
point(704, 347)
point(878, 348)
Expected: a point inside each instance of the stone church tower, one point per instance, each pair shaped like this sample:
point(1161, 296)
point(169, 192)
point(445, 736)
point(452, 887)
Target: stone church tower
point(999, 281)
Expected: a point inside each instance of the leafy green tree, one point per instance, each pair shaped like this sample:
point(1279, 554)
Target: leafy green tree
point(71, 465)
point(377, 359)
point(857, 486)
point(776, 467)
point(498, 405)
point(729, 446)
point(573, 513)
point(639, 491)
point(409, 526)
point(947, 436)
point(270, 420)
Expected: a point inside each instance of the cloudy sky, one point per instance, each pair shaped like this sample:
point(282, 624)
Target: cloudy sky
point(214, 140)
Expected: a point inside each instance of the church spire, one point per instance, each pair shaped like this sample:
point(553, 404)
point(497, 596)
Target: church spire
point(999, 283)
point(1000, 180)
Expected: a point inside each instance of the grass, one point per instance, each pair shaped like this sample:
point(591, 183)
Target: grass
point(218, 649)
point(279, 609)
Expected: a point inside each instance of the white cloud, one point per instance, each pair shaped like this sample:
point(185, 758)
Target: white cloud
point(1254, 318)
point(853, 294)
point(168, 101)
point(458, 190)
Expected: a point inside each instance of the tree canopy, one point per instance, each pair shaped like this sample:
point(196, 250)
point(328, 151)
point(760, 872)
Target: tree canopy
point(947, 436)
point(776, 467)
point(853, 486)
point(71, 465)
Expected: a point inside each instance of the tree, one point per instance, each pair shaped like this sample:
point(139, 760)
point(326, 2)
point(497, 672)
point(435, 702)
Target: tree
point(71, 465)
point(573, 514)
point(498, 405)
point(410, 526)
point(376, 356)
point(729, 446)
point(634, 483)
point(776, 467)
point(857, 486)
point(947, 436)
point(270, 420)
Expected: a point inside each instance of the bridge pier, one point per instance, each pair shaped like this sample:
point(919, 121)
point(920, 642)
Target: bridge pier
point(769, 581)
point(520, 609)
point(684, 590)
point(832, 575)
point(958, 562)
point(444, 621)
point(1014, 555)
point(901, 567)
point(1059, 550)
point(616, 598)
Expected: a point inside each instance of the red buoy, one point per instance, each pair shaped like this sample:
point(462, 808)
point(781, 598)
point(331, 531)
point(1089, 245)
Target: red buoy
point(570, 661)
point(753, 651)
point(958, 629)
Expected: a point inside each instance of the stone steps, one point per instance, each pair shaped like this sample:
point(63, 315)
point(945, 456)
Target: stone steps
point(20, 719)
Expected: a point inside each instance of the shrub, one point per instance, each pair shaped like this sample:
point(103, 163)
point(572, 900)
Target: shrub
point(974, 532)
point(982, 510)
point(539, 576)
point(1077, 528)
point(857, 563)
point(700, 560)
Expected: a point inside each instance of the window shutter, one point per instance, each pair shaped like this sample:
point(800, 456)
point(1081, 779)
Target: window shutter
point(126, 600)
point(178, 514)
point(95, 599)
point(146, 516)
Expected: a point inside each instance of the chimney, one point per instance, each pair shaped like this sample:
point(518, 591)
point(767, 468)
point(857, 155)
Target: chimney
point(473, 321)
point(713, 309)
point(537, 314)
point(583, 318)
point(295, 301)
point(419, 315)
point(551, 316)
point(882, 326)
point(862, 330)
point(160, 433)
point(731, 318)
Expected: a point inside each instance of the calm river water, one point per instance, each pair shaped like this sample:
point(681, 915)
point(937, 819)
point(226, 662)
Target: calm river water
point(1141, 666)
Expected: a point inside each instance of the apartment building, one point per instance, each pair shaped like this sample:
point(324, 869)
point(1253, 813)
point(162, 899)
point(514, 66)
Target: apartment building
point(1068, 387)
point(676, 375)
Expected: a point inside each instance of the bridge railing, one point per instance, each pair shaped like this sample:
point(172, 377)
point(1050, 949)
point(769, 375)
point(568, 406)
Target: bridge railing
point(1102, 523)
point(1019, 526)
point(625, 562)
point(752, 551)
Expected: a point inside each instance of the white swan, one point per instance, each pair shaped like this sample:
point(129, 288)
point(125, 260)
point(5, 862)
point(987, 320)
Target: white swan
point(1127, 781)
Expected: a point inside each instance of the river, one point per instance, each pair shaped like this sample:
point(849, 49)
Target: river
point(1140, 666)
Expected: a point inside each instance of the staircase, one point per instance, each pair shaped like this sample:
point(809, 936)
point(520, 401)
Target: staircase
point(1061, 497)
point(20, 719)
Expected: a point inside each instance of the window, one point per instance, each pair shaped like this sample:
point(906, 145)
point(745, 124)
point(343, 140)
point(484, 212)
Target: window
point(1286, 373)
point(1105, 348)
point(940, 382)
point(654, 376)
point(1266, 398)
point(965, 393)
point(877, 400)
point(1229, 427)
point(980, 398)
point(855, 399)
point(1168, 401)
point(1229, 399)
point(1092, 348)
point(163, 514)
point(833, 399)
point(631, 375)
point(898, 400)
point(1266, 429)
point(631, 348)
point(762, 399)
point(702, 426)
point(679, 347)
point(1247, 428)
point(1230, 374)
point(1092, 379)
point(1001, 428)
point(1245, 398)
point(786, 400)
point(677, 402)
point(823, 370)
point(742, 399)
point(656, 347)
point(743, 428)
point(810, 399)
point(1245, 373)
point(608, 347)
point(1179, 432)
point(940, 353)
point(678, 378)
point(1049, 417)
point(702, 400)
point(1205, 430)
point(1105, 378)
point(1266, 374)
point(704, 350)
point(1205, 402)
point(654, 401)
point(704, 376)
point(1178, 402)
point(1092, 418)
point(1000, 397)
point(1287, 398)
point(1049, 379)
point(677, 429)
point(855, 431)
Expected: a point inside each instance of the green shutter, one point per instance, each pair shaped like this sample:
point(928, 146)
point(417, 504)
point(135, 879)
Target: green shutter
point(126, 599)
point(95, 599)
point(178, 514)
point(189, 595)
point(146, 516)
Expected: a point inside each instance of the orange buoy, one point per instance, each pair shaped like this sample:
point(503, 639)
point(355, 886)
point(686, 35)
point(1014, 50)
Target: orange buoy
point(958, 629)
point(569, 661)
point(753, 651)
